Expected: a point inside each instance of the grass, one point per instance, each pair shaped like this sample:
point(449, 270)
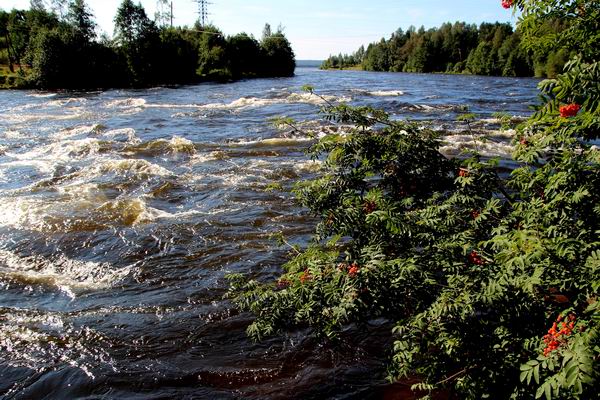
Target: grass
point(11, 80)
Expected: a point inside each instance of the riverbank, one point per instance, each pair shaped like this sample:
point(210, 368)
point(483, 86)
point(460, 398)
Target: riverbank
point(352, 68)
point(11, 80)
point(21, 80)
point(361, 68)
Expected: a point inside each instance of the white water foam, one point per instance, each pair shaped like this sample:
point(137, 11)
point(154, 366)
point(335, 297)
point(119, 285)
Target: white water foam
point(80, 130)
point(126, 103)
point(67, 102)
point(134, 168)
point(135, 105)
point(123, 134)
point(42, 95)
point(176, 144)
point(67, 275)
point(275, 142)
point(492, 144)
point(386, 93)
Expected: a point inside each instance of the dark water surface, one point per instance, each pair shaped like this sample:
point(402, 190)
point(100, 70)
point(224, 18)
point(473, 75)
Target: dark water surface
point(122, 211)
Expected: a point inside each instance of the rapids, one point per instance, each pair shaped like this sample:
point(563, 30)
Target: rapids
point(123, 210)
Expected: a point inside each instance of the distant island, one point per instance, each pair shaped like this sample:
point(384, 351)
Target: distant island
point(39, 49)
point(488, 49)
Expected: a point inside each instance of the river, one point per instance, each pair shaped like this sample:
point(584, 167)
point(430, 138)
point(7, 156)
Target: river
point(122, 211)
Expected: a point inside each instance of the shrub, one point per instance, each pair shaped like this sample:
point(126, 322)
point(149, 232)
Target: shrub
point(492, 281)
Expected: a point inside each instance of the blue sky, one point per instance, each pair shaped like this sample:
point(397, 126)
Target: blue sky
point(316, 28)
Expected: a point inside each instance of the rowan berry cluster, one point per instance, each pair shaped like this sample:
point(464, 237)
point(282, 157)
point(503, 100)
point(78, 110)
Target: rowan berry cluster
point(352, 269)
point(569, 110)
point(369, 206)
point(305, 276)
point(507, 3)
point(283, 283)
point(475, 258)
point(557, 335)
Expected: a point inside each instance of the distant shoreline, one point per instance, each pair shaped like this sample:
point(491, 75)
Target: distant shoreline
point(359, 68)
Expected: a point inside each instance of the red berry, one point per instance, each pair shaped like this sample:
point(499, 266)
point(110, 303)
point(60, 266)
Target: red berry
point(305, 276)
point(569, 110)
point(507, 3)
point(369, 206)
point(283, 283)
point(475, 258)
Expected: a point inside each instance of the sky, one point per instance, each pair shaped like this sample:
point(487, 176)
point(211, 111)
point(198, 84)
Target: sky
point(315, 28)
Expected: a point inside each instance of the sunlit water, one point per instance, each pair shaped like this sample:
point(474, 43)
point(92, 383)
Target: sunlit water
point(122, 211)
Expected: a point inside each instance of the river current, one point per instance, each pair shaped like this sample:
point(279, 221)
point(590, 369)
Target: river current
point(122, 211)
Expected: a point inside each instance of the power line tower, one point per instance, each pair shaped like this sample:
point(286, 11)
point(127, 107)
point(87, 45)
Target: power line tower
point(203, 12)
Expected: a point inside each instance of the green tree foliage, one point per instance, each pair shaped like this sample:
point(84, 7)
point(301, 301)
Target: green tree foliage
point(213, 60)
point(246, 49)
point(82, 20)
point(278, 58)
point(492, 280)
point(138, 42)
point(179, 47)
point(52, 51)
point(488, 49)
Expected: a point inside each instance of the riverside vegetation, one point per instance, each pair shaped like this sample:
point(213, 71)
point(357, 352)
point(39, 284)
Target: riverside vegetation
point(60, 49)
point(490, 278)
point(490, 49)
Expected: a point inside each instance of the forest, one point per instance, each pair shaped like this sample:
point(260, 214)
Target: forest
point(60, 48)
point(492, 49)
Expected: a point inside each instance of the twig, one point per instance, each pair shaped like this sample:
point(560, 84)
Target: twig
point(453, 376)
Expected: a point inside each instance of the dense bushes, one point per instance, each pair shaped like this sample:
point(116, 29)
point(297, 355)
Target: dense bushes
point(492, 281)
point(53, 52)
point(490, 49)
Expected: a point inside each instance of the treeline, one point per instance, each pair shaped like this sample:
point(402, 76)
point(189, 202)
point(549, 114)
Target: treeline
point(51, 49)
point(487, 49)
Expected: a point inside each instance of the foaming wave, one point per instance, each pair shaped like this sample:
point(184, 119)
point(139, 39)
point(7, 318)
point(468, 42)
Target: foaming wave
point(428, 108)
point(270, 142)
point(66, 102)
point(42, 95)
point(162, 146)
point(380, 93)
point(75, 209)
point(126, 103)
point(291, 98)
point(22, 118)
point(46, 158)
point(309, 166)
point(386, 93)
point(132, 167)
point(207, 157)
point(61, 273)
point(123, 134)
point(130, 171)
point(314, 99)
point(76, 131)
point(249, 102)
point(129, 212)
point(13, 134)
point(490, 144)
